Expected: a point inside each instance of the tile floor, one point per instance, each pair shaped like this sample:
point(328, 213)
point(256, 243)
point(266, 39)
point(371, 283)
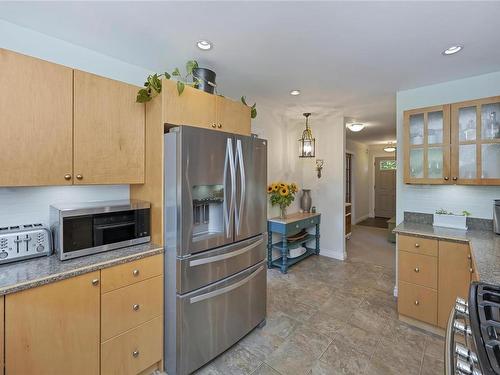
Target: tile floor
point(331, 317)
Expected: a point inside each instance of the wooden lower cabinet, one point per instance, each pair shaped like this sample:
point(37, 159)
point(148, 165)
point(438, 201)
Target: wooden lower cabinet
point(418, 269)
point(54, 329)
point(2, 334)
point(418, 302)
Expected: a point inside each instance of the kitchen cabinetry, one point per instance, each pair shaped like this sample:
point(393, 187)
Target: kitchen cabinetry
point(108, 131)
point(432, 274)
point(36, 121)
point(54, 329)
point(63, 127)
point(455, 143)
point(198, 108)
point(2, 334)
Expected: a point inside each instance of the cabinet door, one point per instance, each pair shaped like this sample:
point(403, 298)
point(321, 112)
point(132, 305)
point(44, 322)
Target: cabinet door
point(2, 334)
point(54, 329)
point(109, 132)
point(427, 145)
point(454, 278)
point(193, 107)
point(476, 142)
point(36, 121)
point(233, 117)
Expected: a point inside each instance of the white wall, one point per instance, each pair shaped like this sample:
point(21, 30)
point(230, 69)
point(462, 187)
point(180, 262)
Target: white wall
point(478, 200)
point(360, 180)
point(374, 151)
point(31, 204)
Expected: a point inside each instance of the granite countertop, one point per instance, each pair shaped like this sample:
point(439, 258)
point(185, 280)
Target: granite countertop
point(485, 245)
point(22, 275)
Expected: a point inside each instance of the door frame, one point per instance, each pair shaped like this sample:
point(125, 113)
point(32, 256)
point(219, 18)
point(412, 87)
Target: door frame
point(388, 156)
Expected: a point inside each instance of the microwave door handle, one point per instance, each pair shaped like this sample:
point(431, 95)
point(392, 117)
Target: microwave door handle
point(113, 226)
point(240, 162)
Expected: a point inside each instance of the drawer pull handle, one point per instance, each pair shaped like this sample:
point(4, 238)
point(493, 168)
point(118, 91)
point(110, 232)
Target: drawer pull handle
point(417, 245)
point(469, 256)
point(417, 303)
point(95, 282)
point(135, 353)
point(471, 270)
point(135, 272)
point(136, 307)
point(417, 270)
point(296, 226)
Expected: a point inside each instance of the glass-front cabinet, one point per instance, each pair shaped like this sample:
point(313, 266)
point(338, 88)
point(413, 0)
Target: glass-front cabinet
point(455, 143)
point(427, 145)
point(475, 128)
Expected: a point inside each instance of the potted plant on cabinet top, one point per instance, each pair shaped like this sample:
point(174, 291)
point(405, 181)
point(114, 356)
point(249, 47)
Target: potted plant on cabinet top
point(448, 219)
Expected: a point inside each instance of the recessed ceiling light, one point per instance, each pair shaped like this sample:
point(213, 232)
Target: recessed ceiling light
point(355, 126)
point(204, 45)
point(295, 92)
point(452, 50)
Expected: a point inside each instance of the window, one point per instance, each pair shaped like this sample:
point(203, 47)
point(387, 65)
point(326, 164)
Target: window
point(388, 165)
point(348, 177)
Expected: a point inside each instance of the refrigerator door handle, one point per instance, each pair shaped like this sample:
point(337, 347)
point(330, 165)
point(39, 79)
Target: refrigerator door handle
point(232, 254)
point(240, 163)
point(226, 289)
point(228, 211)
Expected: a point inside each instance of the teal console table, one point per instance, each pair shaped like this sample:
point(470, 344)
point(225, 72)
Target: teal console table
point(286, 227)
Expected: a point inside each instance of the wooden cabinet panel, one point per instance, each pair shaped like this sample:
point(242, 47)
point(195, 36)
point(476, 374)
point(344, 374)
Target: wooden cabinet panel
point(418, 269)
point(233, 117)
point(127, 307)
point(54, 329)
point(454, 276)
point(133, 351)
point(2, 334)
point(109, 131)
point(130, 273)
point(194, 107)
point(418, 245)
point(417, 302)
point(36, 121)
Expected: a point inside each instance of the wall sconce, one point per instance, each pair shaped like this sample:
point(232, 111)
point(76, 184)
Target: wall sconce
point(319, 166)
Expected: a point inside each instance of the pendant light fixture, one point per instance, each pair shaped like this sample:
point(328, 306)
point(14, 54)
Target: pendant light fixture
point(390, 147)
point(307, 143)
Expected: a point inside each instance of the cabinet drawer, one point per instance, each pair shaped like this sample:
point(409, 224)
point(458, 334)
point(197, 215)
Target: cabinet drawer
point(418, 269)
point(417, 302)
point(127, 307)
point(133, 351)
point(299, 225)
point(129, 273)
point(418, 245)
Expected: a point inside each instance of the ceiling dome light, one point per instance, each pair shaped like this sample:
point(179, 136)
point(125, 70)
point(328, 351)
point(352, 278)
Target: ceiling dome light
point(204, 45)
point(452, 50)
point(356, 126)
point(295, 92)
point(390, 147)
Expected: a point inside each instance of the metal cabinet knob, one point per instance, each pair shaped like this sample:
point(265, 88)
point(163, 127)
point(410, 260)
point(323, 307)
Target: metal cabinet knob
point(95, 282)
point(471, 270)
point(219, 126)
point(296, 226)
point(136, 307)
point(67, 177)
point(135, 272)
point(214, 125)
point(417, 303)
point(455, 178)
point(469, 256)
point(79, 177)
point(446, 178)
point(135, 353)
point(417, 245)
point(417, 270)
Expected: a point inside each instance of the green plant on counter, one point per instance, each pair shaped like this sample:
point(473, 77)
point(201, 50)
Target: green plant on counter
point(442, 211)
point(152, 86)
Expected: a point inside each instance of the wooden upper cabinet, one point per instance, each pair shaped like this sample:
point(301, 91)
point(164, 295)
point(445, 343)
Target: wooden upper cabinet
point(475, 128)
point(193, 107)
point(427, 145)
point(35, 121)
point(109, 131)
point(233, 117)
point(54, 329)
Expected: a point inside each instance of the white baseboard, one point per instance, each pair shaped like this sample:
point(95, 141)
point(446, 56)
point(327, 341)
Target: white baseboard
point(335, 254)
point(360, 219)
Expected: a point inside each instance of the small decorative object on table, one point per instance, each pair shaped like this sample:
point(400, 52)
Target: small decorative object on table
point(305, 200)
point(448, 219)
point(290, 229)
point(282, 194)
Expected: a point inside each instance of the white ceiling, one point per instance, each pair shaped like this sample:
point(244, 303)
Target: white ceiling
point(348, 56)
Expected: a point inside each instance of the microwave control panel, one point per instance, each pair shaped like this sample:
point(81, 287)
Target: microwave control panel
point(24, 241)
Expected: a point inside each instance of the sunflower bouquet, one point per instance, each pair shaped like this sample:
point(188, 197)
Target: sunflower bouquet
point(282, 194)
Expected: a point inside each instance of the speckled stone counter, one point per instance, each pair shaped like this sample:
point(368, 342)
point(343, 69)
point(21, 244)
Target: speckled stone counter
point(15, 277)
point(485, 245)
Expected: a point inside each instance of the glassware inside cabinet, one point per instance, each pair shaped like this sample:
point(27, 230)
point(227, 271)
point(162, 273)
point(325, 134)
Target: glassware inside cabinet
point(417, 129)
point(435, 127)
point(417, 163)
point(435, 162)
point(467, 161)
point(490, 128)
point(467, 124)
point(490, 160)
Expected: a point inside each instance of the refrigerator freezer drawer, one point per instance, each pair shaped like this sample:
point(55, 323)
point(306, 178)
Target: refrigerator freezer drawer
point(214, 318)
point(210, 266)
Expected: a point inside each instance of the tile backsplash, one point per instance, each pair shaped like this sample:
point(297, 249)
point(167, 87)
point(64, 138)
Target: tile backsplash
point(22, 205)
point(472, 222)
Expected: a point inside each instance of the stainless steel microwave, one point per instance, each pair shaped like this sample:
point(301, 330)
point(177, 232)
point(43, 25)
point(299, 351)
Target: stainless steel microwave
point(87, 228)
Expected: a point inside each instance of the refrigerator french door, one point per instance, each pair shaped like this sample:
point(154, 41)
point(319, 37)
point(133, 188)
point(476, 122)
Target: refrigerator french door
point(215, 245)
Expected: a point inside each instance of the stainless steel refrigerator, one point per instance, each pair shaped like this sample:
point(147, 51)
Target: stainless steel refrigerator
point(215, 243)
